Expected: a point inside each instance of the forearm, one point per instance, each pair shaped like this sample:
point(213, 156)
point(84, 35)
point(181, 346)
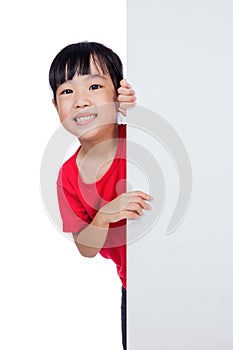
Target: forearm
point(91, 239)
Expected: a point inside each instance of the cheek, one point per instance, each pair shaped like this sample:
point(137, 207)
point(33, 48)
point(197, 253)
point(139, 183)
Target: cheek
point(63, 111)
point(63, 116)
point(110, 95)
point(107, 112)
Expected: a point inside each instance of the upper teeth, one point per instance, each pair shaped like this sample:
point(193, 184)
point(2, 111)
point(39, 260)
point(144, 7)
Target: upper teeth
point(86, 117)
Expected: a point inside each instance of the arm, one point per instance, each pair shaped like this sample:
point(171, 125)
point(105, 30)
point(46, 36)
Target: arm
point(91, 239)
point(128, 205)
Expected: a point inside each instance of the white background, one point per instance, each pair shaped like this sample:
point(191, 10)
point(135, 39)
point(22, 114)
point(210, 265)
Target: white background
point(180, 287)
point(51, 297)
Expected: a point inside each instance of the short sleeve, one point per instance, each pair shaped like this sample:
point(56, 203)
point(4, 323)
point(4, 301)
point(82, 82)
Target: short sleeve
point(74, 216)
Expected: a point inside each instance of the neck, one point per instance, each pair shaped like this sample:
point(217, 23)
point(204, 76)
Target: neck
point(102, 145)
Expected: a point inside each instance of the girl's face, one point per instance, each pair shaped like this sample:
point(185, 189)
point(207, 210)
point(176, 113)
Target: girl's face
point(87, 104)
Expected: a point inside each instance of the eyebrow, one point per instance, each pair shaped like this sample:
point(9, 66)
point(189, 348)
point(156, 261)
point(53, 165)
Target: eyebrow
point(87, 78)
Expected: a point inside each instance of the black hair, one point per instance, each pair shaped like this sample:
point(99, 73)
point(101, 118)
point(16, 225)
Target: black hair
point(75, 58)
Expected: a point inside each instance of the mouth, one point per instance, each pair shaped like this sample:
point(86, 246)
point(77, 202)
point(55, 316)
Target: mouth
point(84, 119)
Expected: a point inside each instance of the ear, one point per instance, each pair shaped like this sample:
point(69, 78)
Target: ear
point(54, 103)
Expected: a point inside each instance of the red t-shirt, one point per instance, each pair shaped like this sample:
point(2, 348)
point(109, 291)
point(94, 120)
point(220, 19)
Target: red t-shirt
point(79, 201)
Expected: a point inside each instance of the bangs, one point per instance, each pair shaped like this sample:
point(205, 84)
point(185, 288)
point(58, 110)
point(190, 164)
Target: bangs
point(76, 59)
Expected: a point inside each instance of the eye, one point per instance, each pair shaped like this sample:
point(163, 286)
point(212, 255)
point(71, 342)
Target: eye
point(95, 87)
point(66, 92)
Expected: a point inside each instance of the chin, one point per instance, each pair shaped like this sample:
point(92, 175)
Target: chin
point(89, 132)
point(87, 135)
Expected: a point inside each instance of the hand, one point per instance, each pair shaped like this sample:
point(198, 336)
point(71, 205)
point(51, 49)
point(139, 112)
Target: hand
point(126, 97)
point(128, 205)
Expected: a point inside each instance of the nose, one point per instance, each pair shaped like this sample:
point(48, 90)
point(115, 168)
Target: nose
point(81, 100)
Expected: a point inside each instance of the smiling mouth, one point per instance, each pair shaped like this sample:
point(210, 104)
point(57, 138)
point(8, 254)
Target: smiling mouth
point(85, 119)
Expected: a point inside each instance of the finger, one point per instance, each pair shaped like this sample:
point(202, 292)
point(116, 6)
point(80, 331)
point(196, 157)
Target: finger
point(135, 207)
point(126, 98)
point(130, 215)
point(141, 202)
point(125, 105)
point(126, 91)
point(124, 83)
point(122, 111)
point(141, 194)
